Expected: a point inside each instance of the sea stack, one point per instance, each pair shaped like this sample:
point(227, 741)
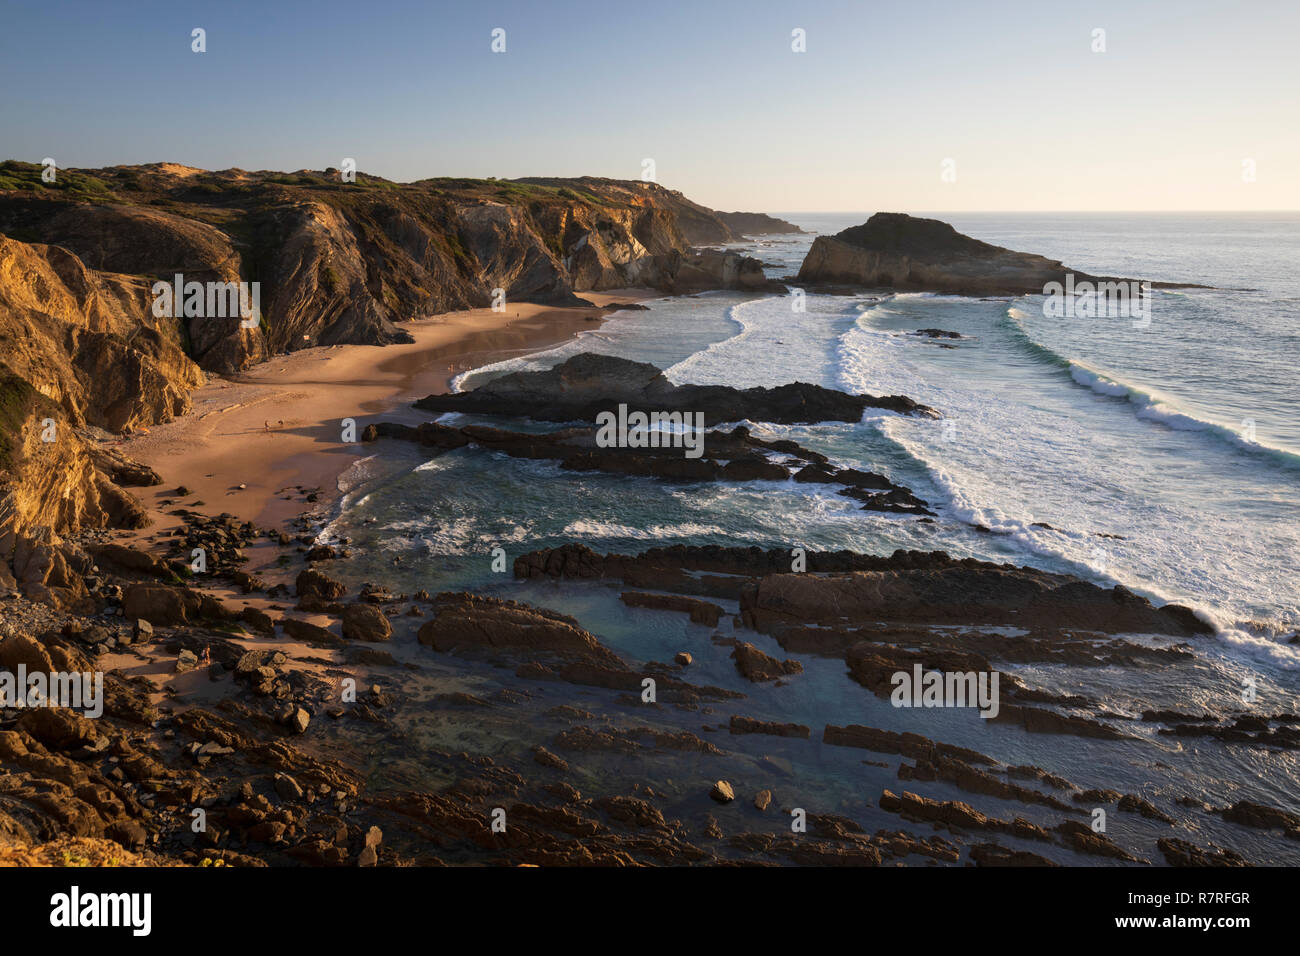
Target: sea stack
point(896, 251)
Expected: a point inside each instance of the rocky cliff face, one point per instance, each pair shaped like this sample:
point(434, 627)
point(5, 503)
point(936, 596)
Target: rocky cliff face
point(897, 251)
point(52, 482)
point(79, 347)
point(87, 340)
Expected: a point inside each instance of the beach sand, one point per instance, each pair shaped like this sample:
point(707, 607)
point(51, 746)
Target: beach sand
point(278, 425)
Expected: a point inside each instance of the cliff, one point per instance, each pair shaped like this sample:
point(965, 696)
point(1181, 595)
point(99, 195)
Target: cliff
point(79, 349)
point(897, 251)
point(87, 340)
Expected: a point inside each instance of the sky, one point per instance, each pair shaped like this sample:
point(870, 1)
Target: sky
point(906, 105)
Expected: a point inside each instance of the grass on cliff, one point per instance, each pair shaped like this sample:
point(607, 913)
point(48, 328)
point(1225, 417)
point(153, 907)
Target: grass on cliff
point(139, 185)
point(19, 175)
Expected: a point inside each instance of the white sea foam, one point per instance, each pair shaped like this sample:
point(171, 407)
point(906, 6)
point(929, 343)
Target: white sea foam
point(593, 528)
point(775, 345)
point(1014, 468)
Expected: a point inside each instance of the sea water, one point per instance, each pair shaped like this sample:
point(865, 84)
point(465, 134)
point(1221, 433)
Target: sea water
point(1165, 458)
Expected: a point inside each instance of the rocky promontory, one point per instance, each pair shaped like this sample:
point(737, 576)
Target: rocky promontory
point(896, 251)
point(756, 224)
point(347, 261)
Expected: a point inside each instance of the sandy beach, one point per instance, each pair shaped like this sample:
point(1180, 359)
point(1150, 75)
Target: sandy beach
point(252, 440)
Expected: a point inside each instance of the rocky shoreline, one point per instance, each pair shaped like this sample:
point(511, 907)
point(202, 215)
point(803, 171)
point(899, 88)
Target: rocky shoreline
point(257, 702)
point(244, 740)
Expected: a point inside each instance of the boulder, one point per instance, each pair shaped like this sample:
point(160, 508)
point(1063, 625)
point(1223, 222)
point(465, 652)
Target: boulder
point(469, 621)
point(316, 584)
point(365, 622)
point(758, 667)
point(310, 633)
point(298, 720)
point(161, 604)
point(722, 792)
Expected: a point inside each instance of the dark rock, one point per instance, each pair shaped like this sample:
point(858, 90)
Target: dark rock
point(469, 621)
point(316, 584)
point(756, 666)
point(587, 384)
point(701, 612)
point(364, 622)
point(749, 725)
point(897, 251)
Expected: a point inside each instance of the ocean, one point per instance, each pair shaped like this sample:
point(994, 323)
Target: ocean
point(1164, 457)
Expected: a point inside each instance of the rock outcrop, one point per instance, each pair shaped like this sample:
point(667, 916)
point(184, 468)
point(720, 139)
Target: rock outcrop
point(583, 386)
point(839, 590)
point(85, 338)
point(895, 251)
point(954, 592)
point(470, 621)
point(48, 474)
point(734, 455)
point(756, 224)
point(78, 348)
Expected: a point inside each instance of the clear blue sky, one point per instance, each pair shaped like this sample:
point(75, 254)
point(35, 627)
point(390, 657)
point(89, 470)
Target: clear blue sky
point(709, 89)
